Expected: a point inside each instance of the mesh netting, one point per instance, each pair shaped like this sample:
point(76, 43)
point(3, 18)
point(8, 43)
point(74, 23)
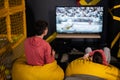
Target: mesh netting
point(2, 4)
point(12, 24)
point(3, 32)
point(17, 27)
point(3, 27)
point(17, 23)
point(3, 42)
point(12, 27)
point(13, 3)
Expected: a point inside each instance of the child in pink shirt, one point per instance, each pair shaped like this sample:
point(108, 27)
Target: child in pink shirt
point(98, 55)
point(39, 52)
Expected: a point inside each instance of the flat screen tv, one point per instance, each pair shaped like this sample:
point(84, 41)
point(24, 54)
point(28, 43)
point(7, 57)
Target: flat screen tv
point(79, 20)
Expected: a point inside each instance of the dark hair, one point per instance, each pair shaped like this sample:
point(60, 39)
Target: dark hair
point(40, 27)
point(97, 58)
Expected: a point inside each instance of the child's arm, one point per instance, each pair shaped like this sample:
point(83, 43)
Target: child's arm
point(86, 56)
point(87, 51)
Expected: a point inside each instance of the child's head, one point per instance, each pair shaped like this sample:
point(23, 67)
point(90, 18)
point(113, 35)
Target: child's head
point(41, 27)
point(97, 58)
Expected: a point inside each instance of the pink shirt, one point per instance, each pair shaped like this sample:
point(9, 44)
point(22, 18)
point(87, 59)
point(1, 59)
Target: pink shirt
point(38, 51)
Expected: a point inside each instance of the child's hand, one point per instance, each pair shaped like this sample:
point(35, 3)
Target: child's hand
point(85, 56)
point(53, 52)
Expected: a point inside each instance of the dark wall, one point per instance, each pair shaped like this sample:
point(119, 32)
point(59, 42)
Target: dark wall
point(45, 10)
point(113, 26)
point(29, 19)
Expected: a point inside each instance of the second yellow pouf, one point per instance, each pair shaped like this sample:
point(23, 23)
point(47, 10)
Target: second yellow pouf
point(86, 67)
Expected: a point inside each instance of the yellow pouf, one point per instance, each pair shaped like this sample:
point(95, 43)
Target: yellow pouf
point(86, 67)
point(22, 71)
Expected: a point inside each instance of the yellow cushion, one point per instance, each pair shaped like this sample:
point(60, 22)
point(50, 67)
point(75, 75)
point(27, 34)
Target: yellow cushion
point(86, 67)
point(23, 71)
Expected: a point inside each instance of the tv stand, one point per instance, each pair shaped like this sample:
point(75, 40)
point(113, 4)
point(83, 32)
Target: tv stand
point(78, 36)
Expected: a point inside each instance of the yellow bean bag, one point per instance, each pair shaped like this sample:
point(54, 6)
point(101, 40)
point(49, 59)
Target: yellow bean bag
point(86, 67)
point(23, 71)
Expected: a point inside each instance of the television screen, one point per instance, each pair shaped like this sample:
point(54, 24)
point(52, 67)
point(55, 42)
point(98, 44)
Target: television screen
point(79, 19)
